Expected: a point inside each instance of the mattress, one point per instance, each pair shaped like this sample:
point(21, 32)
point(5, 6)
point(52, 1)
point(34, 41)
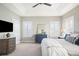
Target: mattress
point(72, 49)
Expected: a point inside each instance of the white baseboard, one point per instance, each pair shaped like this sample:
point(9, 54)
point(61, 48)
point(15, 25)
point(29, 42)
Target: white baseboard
point(27, 41)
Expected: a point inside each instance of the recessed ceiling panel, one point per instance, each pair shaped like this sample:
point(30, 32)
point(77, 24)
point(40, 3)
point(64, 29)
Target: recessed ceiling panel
point(26, 9)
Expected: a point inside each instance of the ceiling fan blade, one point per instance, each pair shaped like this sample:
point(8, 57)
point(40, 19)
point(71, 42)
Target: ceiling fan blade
point(48, 4)
point(36, 4)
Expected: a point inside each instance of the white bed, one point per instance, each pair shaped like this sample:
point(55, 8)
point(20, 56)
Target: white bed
point(72, 49)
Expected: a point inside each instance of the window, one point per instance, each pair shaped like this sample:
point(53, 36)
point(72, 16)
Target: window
point(54, 28)
point(27, 29)
point(69, 24)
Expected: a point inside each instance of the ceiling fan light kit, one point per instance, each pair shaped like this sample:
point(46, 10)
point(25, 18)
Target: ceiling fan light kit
point(47, 4)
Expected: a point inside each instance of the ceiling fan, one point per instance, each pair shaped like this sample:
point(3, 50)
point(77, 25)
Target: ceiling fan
point(48, 4)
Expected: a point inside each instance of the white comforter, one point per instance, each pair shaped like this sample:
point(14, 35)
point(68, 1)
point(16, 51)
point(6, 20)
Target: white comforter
point(52, 48)
point(72, 49)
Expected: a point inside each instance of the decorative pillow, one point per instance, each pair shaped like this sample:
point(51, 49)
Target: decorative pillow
point(66, 36)
point(76, 38)
point(69, 38)
point(73, 37)
point(77, 42)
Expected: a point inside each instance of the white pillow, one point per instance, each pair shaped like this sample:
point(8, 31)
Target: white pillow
point(76, 38)
point(74, 35)
point(72, 38)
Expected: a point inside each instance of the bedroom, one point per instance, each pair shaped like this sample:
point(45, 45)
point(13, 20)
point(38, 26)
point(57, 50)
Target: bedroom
point(54, 21)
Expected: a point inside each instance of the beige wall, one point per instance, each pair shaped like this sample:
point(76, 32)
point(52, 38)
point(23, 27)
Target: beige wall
point(7, 15)
point(41, 20)
point(74, 12)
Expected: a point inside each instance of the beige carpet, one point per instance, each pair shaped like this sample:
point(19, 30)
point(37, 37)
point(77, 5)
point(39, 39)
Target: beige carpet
point(27, 49)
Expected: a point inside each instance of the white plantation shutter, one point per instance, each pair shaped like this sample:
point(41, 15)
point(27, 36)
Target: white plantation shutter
point(27, 29)
point(54, 29)
point(69, 24)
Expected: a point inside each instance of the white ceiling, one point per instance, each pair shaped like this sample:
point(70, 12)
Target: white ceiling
point(25, 9)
